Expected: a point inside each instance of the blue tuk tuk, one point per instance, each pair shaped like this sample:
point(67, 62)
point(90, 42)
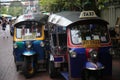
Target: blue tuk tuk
point(28, 44)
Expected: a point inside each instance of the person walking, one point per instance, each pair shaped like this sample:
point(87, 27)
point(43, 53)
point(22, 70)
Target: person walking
point(0, 27)
point(4, 23)
point(0, 24)
point(7, 29)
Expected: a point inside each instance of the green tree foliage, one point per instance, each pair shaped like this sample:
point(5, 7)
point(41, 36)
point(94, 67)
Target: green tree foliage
point(3, 10)
point(16, 8)
point(72, 5)
point(15, 11)
point(59, 5)
point(47, 5)
point(101, 4)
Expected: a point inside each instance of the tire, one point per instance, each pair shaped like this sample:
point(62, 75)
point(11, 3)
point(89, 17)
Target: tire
point(29, 67)
point(14, 57)
point(52, 70)
point(88, 75)
point(93, 78)
point(17, 66)
point(10, 33)
point(85, 74)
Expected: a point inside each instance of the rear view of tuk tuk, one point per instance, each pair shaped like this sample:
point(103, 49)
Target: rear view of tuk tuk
point(87, 52)
point(58, 48)
point(28, 44)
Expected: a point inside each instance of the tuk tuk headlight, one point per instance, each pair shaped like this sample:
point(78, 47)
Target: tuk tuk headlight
point(28, 44)
point(93, 55)
point(15, 45)
point(73, 54)
point(42, 44)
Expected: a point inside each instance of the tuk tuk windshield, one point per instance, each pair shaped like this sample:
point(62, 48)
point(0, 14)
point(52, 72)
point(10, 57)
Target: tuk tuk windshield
point(89, 32)
point(28, 33)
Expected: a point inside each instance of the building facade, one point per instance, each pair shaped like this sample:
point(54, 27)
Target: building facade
point(112, 12)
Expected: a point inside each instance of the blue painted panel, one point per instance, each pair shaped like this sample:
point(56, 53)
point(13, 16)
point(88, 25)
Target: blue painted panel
point(77, 64)
point(65, 75)
point(39, 50)
point(18, 54)
point(106, 59)
point(18, 51)
point(58, 59)
point(79, 50)
point(35, 47)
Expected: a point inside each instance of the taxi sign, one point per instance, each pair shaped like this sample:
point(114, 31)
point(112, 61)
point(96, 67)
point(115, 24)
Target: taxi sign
point(87, 14)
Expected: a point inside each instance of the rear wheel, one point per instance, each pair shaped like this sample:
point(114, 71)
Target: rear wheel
point(29, 67)
point(52, 71)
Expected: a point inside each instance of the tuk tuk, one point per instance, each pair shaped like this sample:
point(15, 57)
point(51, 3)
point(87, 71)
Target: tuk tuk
point(116, 40)
point(58, 47)
point(80, 46)
point(28, 44)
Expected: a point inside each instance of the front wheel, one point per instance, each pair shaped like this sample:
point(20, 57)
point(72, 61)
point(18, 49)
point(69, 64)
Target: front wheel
point(91, 74)
point(29, 67)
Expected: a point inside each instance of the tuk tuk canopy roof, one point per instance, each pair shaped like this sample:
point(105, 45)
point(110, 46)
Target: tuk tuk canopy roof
point(38, 17)
point(68, 18)
point(5, 15)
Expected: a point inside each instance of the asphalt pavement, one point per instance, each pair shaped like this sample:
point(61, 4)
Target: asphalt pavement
point(8, 69)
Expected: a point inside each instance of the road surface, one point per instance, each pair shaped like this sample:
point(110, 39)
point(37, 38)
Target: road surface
point(8, 70)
